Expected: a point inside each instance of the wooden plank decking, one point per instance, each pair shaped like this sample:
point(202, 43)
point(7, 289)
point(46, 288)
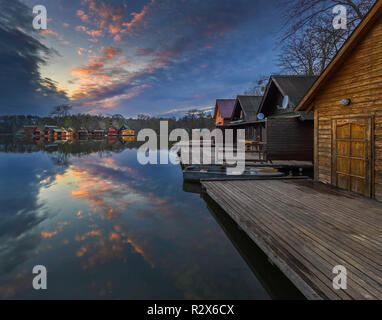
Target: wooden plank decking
point(307, 229)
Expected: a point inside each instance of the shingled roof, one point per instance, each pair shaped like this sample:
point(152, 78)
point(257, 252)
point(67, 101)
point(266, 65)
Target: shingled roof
point(226, 107)
point(293, 86)
point(250, 106)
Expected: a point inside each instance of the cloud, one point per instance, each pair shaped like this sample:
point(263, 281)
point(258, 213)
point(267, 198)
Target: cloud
point(49, 32)
point(20, 73)
point(104, 15)
point(176, 53)
point(139, 18)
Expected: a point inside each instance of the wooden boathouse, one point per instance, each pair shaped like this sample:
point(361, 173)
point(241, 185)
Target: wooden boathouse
point(272, 126)
point(347, 105)
point(308, 228)
point(112, 132)
point(223, 112)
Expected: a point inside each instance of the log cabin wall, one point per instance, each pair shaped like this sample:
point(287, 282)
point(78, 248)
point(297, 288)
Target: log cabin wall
point(360, 79)
point(289, 139)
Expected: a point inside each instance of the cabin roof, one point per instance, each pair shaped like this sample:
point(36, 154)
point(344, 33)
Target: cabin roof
point(226, 108)
point(293, 86)
point(250, 106)
point(348, 47)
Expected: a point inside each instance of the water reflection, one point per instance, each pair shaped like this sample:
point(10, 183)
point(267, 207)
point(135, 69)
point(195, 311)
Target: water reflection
point(107, 227)
point(276, 284)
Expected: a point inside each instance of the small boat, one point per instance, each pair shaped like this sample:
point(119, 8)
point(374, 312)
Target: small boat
point(198, 173)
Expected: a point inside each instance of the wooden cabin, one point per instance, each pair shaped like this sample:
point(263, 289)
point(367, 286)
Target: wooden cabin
point(128, 138)
point(112, 139)
point(347, 104)
point(83, 133)
point(38, 132)
point(126, 131)
point(29, 130)
point(70, 133)
point(99, 133)
point(49, 131)
point(280, 132)
point(244, 114)
point(112, 132)
point(59, 134)
point(223, 111)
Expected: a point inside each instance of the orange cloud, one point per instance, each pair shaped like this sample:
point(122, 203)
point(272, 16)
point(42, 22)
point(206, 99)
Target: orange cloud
point(107, 16)
point(49, 32)
point(46, 234)
point(81, 28)
point(84, 17)
point(138, 18)
point(81, 51)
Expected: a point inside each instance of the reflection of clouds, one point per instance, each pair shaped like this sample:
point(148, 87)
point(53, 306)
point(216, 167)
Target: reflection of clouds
point(111, 188)
point(21, 283)
point(51, 234)
point(21, 181)
point(108, 248)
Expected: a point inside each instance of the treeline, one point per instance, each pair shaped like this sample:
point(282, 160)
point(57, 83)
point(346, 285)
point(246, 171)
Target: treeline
point(192, 120)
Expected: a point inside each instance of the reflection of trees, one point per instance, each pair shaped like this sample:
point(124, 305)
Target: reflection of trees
point(65, 148)
point(60, 159)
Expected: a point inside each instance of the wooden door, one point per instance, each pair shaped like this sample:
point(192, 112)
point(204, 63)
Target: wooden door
point(352, 152)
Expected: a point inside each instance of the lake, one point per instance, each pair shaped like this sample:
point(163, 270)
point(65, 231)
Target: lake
point(107, 227)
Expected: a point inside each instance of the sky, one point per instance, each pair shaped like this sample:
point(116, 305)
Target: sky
point(131, 57)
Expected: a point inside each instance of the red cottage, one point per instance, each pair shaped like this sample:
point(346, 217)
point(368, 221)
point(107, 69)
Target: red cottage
point(112, 132)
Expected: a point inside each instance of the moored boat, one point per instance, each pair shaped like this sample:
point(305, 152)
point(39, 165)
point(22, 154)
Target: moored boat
point(197, 173)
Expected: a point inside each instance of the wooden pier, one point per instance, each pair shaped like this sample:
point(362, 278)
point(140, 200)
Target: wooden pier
point(306, 229)
point(251, 160)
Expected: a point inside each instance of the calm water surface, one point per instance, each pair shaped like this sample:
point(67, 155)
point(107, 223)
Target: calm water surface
point(108, 228)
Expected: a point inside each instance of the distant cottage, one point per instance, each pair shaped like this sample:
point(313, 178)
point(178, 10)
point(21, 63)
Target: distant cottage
point(223, 111)
point(112, 132)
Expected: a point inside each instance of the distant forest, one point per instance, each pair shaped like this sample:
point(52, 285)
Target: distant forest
point(61, 117)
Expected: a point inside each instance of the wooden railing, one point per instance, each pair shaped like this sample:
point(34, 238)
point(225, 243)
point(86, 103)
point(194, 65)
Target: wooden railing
point(257, 147)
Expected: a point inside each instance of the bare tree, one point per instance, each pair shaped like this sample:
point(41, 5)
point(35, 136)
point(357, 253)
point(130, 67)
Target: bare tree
point(258, 87)
point(309, 40)
point(61, 111)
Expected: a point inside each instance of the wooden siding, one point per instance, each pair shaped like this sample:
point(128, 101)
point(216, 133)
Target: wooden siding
point(289, 139)
point(359, 79)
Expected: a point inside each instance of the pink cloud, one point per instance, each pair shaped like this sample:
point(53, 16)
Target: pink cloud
point(49, 32)
point(138, 18)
